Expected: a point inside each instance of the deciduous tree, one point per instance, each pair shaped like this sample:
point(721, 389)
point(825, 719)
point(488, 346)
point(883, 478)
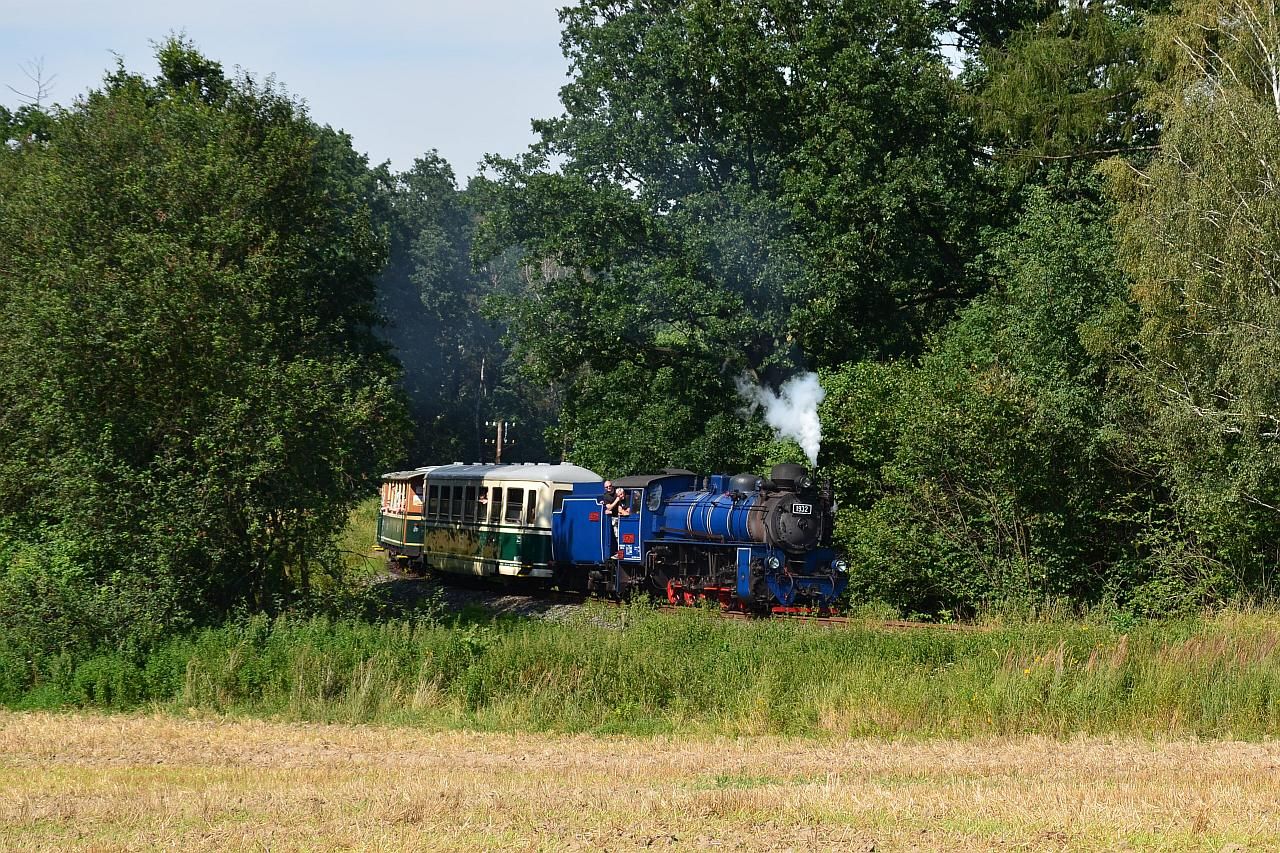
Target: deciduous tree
point(1201, 240)
point(191, 394)
point(738, 187)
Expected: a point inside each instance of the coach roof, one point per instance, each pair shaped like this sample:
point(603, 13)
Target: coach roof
point(408, 475)
point(539, 471)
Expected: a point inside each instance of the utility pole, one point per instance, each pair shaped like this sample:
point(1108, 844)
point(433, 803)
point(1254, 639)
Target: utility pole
point(502, 437)
point(480, 395)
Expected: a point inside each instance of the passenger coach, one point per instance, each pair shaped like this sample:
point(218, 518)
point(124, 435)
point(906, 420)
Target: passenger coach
point(476, 519)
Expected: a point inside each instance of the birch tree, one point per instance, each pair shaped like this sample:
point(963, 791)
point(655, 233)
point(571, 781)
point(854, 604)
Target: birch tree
point(1200, 232)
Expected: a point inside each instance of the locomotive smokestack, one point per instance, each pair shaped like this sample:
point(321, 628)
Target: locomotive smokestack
point(788, 477)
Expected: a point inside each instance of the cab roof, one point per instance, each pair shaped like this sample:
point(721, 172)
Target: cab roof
point(642, 481)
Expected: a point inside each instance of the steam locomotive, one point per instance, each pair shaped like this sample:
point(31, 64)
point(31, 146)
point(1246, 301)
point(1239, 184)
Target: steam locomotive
point(743, 541)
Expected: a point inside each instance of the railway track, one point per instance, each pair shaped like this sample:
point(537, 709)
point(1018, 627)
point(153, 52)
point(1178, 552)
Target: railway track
point(554, 597)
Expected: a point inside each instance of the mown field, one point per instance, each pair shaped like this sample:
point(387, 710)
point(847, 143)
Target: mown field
point(91, 782)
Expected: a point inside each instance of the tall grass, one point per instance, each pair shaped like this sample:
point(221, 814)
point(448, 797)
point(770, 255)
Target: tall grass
point(358, 539)
point(692, 672)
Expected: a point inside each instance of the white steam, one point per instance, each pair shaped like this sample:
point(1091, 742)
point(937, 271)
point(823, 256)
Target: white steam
point(792, 412)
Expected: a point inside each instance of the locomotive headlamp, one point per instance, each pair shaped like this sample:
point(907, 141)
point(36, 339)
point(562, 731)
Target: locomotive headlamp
point(841, 566)
point(774, 563)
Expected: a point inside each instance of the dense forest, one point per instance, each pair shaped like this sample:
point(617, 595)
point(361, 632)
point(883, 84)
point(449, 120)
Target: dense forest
point(1031, 250)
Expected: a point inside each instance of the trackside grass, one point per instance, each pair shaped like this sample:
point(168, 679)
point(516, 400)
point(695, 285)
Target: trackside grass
point(357, 540)
point(635, 671)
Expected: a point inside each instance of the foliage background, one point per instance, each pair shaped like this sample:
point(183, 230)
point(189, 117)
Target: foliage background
point(1037, 278)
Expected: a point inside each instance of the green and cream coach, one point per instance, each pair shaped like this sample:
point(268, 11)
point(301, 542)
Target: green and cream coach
point(479, 519)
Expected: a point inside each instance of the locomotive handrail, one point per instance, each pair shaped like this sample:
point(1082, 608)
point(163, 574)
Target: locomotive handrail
point(693, 534)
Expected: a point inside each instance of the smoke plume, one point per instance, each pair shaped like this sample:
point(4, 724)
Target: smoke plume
point(792, 412)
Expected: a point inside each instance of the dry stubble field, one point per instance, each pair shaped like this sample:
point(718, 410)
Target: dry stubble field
point(95, 782)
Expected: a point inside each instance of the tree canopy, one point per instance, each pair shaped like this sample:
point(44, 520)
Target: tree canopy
point(1038, 382)
point(192, 395)
point(739, 187)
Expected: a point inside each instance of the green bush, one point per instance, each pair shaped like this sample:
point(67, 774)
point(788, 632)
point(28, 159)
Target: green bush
point(108, 681)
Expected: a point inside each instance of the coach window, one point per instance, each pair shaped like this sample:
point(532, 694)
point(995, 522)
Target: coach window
point(469, 503)
point(532, 506)
point(515, 505)
point(433, 501)
point(495, 505)
point(455, 503)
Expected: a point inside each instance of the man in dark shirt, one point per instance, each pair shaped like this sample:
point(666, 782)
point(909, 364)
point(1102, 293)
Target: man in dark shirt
point(618, 507)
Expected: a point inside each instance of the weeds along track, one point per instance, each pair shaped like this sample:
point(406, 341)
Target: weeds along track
point(460, 591)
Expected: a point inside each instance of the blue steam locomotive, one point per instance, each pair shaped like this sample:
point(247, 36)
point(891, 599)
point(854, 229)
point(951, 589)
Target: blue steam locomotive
point(743, 541)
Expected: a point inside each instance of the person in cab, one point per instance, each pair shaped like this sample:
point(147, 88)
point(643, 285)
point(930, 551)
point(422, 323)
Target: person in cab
point(618, 507)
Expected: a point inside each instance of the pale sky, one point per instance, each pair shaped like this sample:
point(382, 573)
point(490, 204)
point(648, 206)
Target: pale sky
point(401, 77)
